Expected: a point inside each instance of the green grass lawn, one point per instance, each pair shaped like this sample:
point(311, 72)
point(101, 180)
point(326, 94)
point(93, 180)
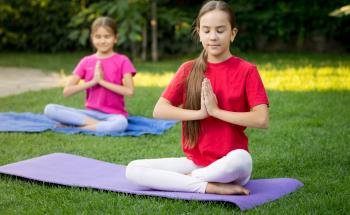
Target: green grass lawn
point(307, 139)
point(66, 62)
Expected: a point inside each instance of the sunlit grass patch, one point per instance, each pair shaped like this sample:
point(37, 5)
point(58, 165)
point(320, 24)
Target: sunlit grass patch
point(147, 79)
point(306, 78)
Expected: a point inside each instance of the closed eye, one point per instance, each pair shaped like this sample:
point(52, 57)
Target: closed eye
point(206, 30)
point(221, 30)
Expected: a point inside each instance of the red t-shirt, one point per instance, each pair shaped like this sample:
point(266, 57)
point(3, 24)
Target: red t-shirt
point(238, 87)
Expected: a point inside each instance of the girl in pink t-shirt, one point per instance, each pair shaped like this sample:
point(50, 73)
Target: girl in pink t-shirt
point(216, 97)
point(107, 79)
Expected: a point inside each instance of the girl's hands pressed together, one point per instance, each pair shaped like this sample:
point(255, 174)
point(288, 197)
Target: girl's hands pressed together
point(125, 89)
point(210, 100)
point(98, 74)
point(203, 110)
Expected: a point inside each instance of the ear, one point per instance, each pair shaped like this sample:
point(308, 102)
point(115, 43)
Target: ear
point(233, 34)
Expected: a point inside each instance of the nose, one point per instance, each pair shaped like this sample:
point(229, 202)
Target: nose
point(213, 35)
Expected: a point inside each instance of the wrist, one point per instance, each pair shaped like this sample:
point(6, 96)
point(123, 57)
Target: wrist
point(214, 112)
point(91, 83)
point(101, 81)
point(201, 115)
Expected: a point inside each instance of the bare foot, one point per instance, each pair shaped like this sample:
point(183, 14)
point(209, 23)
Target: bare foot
point(91, 127)
point(226, 189)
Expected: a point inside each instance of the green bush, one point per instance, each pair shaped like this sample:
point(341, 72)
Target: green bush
point(36, 25)
point(296, 25)
point(51, 26)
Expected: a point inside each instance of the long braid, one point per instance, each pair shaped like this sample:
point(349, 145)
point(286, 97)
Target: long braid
point(193, 98)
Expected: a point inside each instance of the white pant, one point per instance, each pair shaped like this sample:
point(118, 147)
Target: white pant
point(170, 173)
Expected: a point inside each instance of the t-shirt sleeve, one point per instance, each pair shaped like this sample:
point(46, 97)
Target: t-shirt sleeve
point(128, 67)
point(175, 90)
point(255, 89)
point(80, 68)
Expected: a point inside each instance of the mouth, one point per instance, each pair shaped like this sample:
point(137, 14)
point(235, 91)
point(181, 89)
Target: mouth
point(103, 47)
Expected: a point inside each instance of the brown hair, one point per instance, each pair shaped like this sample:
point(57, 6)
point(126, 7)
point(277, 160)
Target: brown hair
point(104, 22)
point(196, 76)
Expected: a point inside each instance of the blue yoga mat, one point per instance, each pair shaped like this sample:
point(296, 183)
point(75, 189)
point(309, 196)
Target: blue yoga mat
point(30, 122)
point(76, 171)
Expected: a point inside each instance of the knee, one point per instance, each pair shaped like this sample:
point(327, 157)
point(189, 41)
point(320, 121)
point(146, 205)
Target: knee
point(133, 170)
point(239, 160)
point(49, 109)
point(113, 126)
point(118, 125)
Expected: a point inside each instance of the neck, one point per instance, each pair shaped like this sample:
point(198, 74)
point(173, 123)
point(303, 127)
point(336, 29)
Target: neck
point(221, 58)
point(104, 54)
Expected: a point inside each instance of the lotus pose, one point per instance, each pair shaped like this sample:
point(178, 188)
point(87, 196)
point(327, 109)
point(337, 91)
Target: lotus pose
point(107, 79)
point(216, 96)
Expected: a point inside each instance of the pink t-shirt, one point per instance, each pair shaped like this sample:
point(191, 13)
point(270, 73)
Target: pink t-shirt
point(238, 88)
point(114, 68)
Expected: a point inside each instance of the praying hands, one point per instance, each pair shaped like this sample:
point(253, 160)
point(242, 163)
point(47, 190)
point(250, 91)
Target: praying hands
point(98, 74)
point(208, 97)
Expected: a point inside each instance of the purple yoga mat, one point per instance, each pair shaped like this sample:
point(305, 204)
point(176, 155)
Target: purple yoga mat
point(77, 171)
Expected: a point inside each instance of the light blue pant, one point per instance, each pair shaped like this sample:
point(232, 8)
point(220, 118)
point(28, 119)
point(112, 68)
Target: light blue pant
point(77, 117)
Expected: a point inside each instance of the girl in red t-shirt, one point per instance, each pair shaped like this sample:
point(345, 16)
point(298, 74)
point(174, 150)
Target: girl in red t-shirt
point(216, 97)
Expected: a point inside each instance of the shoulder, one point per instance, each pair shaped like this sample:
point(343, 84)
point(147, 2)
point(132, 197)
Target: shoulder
point(243, 64)
point(244, 67)
point(186, 67)
point(181, 73)
point(187, 64)
point(87, 59)
point(120, 58)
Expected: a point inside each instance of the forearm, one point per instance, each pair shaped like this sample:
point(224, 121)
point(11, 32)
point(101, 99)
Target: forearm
point(70, 90)
point(120, 89)
point(164, 110)
point(253, 119)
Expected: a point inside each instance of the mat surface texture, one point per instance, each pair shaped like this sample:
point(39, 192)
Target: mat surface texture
point(31, 122)
point(76, 171)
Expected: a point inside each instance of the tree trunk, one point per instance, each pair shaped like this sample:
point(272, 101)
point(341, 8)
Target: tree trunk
point(144, 44)
point(82, 4)
point(154, 31)
point(133, 50)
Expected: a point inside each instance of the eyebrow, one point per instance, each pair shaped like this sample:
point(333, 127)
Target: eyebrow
point(102, 34)
point(221, 26)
